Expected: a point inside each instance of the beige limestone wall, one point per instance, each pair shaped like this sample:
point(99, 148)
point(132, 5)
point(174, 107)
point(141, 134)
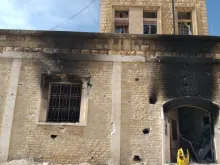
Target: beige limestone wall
point(135, 21)
point(5, 68)
point(198, 6)
point(89, 144)
point(138, 82)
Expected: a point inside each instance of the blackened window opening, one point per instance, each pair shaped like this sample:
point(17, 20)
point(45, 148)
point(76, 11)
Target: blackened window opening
point(64, 102)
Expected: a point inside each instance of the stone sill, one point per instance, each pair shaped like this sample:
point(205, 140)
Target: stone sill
point(62, 124)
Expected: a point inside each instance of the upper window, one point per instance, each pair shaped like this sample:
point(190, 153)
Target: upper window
point(64, 102)
point(121, 29)
point(121, 21)
point(184, 16)
point(185, 23)
point(150, 14)
point(150, 22)
point(121, 14)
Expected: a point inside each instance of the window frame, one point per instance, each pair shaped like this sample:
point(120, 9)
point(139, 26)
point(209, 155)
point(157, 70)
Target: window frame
point(150, 27)
point(118, 21)
point(49, 98)
point(124, 26)
point(44, 105)
point(150, 21)
point(192, 21)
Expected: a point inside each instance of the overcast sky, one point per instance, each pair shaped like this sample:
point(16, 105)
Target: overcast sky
point(46, 14)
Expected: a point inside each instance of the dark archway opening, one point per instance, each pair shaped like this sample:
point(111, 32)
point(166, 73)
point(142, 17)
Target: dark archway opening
point(189, 124)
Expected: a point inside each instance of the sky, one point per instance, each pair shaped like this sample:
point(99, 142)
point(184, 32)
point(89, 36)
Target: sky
point(46, 14)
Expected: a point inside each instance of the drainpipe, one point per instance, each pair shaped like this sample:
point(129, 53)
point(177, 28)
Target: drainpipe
point(174, 20)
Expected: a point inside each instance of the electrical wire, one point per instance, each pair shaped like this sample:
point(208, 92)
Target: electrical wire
point(73, 15)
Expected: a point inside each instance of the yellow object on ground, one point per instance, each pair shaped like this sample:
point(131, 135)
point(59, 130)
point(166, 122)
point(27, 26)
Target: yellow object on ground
point(181, 158)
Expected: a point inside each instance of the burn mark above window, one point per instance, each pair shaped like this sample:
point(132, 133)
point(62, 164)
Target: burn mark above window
point(64, 102)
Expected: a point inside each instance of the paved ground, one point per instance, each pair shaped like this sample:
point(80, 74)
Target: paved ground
point(26, 162)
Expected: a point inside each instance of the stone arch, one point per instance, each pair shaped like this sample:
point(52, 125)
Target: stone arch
point(191, 101)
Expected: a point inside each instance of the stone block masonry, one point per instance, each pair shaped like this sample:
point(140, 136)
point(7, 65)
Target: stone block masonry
point(200, 21)
point(132, 76)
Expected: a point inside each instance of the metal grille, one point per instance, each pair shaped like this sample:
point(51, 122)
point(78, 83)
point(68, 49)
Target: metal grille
point(64, 103)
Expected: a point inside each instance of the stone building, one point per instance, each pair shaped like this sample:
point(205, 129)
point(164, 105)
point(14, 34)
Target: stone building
point(118, 99)
point(153, 16)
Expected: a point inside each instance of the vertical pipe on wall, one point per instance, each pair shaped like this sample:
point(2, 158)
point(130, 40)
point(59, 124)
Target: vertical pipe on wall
point(174, 19)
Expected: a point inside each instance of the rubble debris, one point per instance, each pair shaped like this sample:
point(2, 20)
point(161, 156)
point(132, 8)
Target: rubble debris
point(192, 131)
point(21, 162)
point(200, 156)
point(188, 145)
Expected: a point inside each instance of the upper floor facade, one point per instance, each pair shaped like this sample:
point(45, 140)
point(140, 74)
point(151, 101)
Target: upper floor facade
point(154, 17)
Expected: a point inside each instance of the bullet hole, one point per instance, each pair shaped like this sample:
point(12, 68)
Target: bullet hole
point(90, 85)
point(129, 101)
point(53, 136)
point(137, 79)
point(146, 131)
point(137, 158)
point(186, 84)
point(186, 65)
point(152, 100)
point(12, 94)
point(91, 157)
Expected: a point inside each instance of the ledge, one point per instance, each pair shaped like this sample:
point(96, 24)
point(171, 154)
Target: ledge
point(91, 35)
point(62, 124)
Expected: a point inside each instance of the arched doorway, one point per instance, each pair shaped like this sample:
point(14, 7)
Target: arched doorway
point(189, 124)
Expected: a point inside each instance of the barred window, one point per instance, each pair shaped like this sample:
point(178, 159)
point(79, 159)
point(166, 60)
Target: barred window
point(64, 102)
